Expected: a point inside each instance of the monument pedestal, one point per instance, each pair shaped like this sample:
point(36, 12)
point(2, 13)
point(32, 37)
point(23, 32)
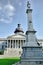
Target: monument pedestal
point(31, 56)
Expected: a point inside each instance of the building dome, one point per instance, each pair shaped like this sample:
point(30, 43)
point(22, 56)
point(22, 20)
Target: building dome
point(18, 29)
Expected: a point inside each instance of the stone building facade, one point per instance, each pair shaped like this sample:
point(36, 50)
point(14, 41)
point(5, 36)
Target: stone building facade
point(13, 44)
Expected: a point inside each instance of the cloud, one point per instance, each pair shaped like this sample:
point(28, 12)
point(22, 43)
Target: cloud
point(20, 3)
point(0, 8)
point(6, 20)
point(17, 1)
point(1, 19)
point(9, 9)
point(7, 13)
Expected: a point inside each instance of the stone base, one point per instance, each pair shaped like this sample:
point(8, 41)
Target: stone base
point(13, 52)
point(28, 63)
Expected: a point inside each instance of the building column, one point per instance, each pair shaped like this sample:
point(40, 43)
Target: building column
point(23, 42)
point(20, 43)
point(10, 43)
point(15, 43)
point(7, 46)
point(7, 43)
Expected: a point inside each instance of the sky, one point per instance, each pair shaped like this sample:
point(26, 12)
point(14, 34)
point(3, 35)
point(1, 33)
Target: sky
point(13, 12)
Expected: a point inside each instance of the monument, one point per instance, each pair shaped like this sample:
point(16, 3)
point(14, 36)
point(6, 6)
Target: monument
point(32, 51)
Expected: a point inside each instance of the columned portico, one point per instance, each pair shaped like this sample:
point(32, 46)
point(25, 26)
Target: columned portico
point(15, 43)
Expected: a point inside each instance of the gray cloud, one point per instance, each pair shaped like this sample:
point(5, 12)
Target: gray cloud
point(9, 9)
point(20, 3)
point(0, 8)
point(7, 13)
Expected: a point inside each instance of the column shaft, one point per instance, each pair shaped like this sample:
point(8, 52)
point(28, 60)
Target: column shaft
point(15, 43)
point(7, 43)
point(20, 43)
point(10, 43)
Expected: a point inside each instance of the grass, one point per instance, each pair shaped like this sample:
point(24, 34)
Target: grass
point(8, 61)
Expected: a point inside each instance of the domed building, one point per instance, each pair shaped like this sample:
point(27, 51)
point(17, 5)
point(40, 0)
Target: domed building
point(15, 42)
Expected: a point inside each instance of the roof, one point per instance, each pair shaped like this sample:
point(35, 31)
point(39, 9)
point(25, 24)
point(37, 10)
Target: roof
point(18, 29)
point(17, 36)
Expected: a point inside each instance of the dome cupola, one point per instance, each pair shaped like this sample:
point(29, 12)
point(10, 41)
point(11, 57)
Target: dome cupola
point(18, 29)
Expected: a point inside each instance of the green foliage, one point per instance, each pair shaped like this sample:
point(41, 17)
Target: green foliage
point(1, 52)
point(8, 61)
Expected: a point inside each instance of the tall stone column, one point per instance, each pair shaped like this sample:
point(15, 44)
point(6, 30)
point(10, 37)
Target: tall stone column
point(30, 33)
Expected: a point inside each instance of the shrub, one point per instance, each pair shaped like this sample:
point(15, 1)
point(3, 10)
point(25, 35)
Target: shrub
point(1, 52)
